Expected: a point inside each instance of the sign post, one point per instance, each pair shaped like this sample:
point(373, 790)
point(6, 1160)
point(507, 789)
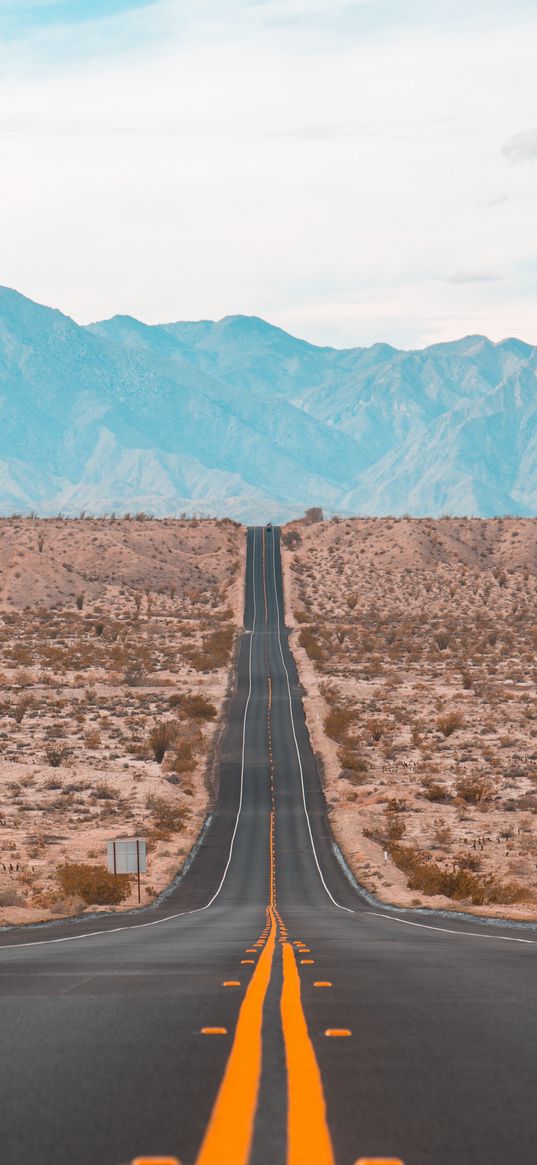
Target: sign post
point(128, 855)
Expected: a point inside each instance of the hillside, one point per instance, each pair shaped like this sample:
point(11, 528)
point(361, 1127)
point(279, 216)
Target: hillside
point(239, 419)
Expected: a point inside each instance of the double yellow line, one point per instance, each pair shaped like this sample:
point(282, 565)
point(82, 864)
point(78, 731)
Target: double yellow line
point(229, 1134)
point(228, 1138)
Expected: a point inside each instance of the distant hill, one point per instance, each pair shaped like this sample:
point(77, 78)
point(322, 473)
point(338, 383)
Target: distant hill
point(239, 418)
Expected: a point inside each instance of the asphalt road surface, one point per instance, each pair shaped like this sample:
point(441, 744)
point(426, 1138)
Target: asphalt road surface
point(201, 1028)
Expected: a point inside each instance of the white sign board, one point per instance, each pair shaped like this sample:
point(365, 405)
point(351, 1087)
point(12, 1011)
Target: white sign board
point(127, 856)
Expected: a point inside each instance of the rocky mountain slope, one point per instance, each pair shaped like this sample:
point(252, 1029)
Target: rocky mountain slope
point(238, 418)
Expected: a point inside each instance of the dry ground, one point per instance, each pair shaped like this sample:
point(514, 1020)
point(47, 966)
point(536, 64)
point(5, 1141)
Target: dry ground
point(109, 630)
point(416, 644)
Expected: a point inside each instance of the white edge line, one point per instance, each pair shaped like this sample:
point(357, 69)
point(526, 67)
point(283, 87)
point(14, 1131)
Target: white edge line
point(314, 851)
point(504, 938)
point(182, 913)
point(348, 909)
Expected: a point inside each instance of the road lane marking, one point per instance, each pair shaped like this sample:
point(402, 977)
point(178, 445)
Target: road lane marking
point(347, 909)
point(505, 938)
point(323, 983)
point(308, 1135)
point(228, 1136)
point(338, 1032)
point(378, 1161)
point(231, 983)
point(213, 1031)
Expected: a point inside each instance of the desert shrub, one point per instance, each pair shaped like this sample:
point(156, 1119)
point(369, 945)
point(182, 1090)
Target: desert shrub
point(291, 539)
point(11, 897)
point(94, 884)
point(396, 827)
point(434, 791)
point(161, 738)
point(104, 791)
point(430, 878)
point(301, 617)
point(79, 602)
point(310, 644)
point(313, 514)
point(474, 790)
point(376, 728)
point(56, 754)
point(198, 707)
point(135, 675)
point(507, 893)
point(216, 650)
point(450, 722)
point(442, 640)
point(354, 761)
point(183, 760)
point(168, 816)
point(92, 739)
point(338, 722)
point(23, 705)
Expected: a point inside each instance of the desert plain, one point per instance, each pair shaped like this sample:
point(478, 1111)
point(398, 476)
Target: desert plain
point(116, 642)
point(416, 642)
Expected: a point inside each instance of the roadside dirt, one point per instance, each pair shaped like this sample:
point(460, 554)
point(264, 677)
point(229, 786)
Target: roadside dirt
point(110, 631)
point(415, 642)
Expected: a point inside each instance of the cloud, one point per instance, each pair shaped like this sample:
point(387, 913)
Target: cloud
point(522, 147)
point(472, 277)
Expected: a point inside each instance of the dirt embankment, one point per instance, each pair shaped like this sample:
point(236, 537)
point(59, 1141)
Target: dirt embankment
point(415, 641)
point(116, 639)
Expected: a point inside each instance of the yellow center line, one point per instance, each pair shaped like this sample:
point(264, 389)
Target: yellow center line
point(228, 1137)
point(308, 1136)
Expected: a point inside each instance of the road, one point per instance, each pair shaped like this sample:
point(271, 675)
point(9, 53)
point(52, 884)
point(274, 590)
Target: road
point(199, 1028)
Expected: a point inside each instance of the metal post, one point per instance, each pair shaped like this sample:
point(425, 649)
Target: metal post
point(138, 866)
point(115, 869)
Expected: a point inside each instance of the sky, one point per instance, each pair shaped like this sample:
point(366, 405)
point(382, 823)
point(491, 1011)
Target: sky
point(351, 170)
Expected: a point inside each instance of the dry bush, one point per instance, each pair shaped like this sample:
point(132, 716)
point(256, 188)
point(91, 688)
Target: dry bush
point(474, 790)
point(105, 792)
point(198, 707)
point(311, 645)
point(161, 738)
point(450, 722)
point(338, 723)
point(355, 761)
point(313, 515)
point(56, 754)
point(376, 728)
point(434, 791)
point(167, 815)
point(23, 705)
point(11, 897)
point(183, 760)
point(216, 650)
point(94, 884)
point(135, 675)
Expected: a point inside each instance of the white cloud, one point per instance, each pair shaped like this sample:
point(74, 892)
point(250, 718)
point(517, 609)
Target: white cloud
point(522, 147)
point(472, 277)
point(193, 160)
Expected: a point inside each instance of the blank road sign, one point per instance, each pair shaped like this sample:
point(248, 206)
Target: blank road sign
point(127, 855)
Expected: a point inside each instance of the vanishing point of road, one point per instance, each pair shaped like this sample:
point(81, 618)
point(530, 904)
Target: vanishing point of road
point(265, 1012)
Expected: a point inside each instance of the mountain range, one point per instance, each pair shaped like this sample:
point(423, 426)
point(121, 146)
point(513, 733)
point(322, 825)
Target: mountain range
point(238, 418)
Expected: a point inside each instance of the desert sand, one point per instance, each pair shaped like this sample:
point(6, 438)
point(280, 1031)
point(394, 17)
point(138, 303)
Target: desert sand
point(116, 641)
point(415, 641)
